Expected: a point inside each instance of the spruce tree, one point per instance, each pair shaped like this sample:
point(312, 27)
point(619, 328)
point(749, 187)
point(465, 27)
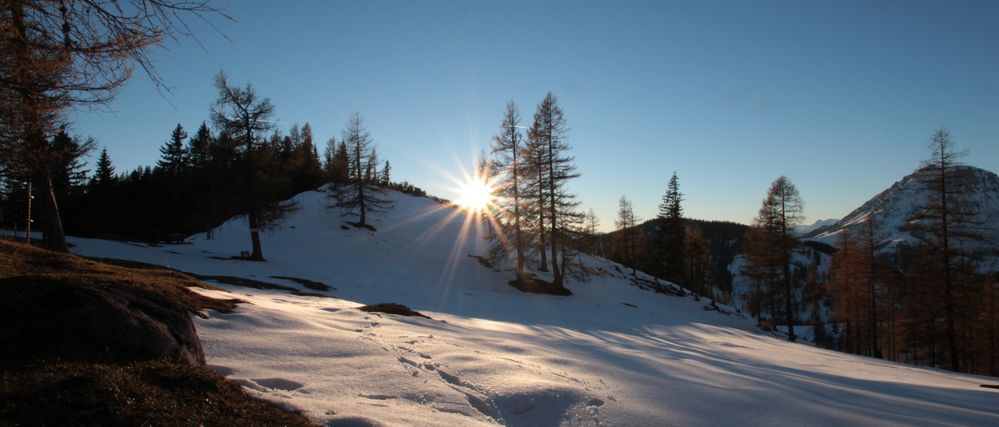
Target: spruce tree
point(173, 154)
point(198, 147)
point(104, 175)
point(386, 174)
point(670, 234)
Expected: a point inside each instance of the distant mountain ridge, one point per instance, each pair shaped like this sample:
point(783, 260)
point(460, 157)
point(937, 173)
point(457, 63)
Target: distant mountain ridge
point(893, 207)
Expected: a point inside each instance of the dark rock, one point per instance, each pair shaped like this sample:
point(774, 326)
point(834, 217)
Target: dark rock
point(392, 308)
point(85, 320)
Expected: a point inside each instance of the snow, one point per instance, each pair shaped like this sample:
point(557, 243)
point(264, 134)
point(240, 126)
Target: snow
point(610, 354)
point(893, 207)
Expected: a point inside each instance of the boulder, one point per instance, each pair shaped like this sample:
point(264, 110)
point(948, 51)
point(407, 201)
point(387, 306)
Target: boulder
point(85, 319)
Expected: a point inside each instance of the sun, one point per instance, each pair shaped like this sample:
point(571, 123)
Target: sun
point(475, 195)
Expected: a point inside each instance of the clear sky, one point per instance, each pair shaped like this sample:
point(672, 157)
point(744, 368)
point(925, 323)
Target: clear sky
point(839, 96)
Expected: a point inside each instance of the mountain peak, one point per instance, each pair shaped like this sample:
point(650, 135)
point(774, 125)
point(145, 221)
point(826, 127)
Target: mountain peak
point(892, 207)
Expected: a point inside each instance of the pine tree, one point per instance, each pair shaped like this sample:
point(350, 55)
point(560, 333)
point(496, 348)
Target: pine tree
point(173, 154)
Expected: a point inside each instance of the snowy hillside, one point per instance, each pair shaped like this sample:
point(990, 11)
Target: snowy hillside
point(610, 354)
point(893, 206)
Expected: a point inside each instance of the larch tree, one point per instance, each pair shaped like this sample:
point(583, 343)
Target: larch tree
point(535, 184)
point(557, 168)
point(508, 163)
point(779, 213)
point(697, 261)
point(359, 195)
point(240, 113)
point(628, 233)
point(60, 54)
point(946, 227)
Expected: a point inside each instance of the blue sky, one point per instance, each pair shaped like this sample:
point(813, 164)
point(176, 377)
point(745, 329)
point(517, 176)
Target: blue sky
point(839, 96)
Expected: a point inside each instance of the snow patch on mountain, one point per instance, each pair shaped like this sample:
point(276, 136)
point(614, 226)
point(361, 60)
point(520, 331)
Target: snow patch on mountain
point(893, 207)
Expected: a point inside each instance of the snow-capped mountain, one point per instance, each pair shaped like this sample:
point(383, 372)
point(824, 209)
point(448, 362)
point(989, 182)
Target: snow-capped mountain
point(612, 353)
point(893, 206)
point(802, 230)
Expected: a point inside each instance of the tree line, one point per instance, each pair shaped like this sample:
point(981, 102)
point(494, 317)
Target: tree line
point(238, 162)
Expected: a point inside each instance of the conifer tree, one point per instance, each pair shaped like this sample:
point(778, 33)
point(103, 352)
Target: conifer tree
point(329, 167)
point(946, 227)
point(508, 163)
point(240, 113)
point(386, 174)
point(59, 54)
point(697, 260)
point(198, 147)
point(628, 233)
point(670, 235)
point(556, 168)
point(360, 194)
point(779, 213)
point(104, 175)
point(534, 191)
point(173, 154)
point(341, 162)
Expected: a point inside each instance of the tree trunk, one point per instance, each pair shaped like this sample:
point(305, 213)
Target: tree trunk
point(53, 236)
point(258, 252)
point(558, 280)
point(542, 246)
point(516, 211)
point(948, 286)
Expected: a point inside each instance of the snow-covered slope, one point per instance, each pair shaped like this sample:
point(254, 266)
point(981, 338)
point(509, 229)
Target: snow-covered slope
point(610, 354)
point(893, 206)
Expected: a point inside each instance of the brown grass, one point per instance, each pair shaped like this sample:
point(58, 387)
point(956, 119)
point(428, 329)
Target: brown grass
point(142, 393)
point(18, 259)
point(145, 392)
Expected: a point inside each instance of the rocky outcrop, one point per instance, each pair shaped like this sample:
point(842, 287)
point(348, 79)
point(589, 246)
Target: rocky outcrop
point(76, 319)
